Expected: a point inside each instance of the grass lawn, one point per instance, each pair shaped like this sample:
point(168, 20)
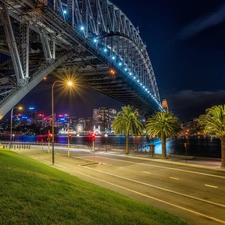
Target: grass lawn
point(34, 193)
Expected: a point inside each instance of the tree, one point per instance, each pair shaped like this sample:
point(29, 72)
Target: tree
point(213, 123)
point(163, 125)
point(128, 121)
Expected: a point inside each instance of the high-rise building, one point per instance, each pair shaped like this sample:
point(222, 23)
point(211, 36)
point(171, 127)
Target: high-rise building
point(103, 117)
point(32, 115)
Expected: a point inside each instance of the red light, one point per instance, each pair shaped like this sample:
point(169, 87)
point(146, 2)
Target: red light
point(93, 136)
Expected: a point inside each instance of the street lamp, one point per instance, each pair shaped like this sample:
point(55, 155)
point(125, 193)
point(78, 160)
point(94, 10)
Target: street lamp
point(11, 123)
point(69, 83)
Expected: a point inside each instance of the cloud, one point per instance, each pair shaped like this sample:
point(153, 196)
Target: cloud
point(203, 23)
point(189, 104)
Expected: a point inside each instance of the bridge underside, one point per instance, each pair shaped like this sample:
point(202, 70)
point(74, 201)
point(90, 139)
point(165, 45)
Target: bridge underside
point(108, 81)
point(38, 42)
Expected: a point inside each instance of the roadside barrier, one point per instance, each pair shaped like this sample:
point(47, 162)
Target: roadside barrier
point(88, 145)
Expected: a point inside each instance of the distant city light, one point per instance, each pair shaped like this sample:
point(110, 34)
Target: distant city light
point(31, 108)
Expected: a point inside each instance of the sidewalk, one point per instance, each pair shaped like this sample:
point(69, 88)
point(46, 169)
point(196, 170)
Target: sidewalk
point(38, 153)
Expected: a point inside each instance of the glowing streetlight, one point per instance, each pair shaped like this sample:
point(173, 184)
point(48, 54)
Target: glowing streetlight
point(20, 108)
point(69, 83)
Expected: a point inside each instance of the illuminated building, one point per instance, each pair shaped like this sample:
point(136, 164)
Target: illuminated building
point(103, 117)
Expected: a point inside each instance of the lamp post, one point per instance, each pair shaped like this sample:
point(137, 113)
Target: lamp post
point(10, 139)
point(69, 83)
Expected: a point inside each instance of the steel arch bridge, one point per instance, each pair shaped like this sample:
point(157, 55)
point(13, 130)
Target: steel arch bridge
point(89, 37)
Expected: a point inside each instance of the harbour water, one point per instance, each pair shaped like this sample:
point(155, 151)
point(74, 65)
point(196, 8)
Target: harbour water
point(195, 146)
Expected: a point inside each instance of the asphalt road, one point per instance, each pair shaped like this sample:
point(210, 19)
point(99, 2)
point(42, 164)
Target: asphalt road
point(193, 192)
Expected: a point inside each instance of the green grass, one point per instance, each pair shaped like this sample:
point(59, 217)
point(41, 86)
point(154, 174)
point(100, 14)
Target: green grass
point(34, 193)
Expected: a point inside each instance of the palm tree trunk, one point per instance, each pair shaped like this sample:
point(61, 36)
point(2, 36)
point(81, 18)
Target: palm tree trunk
point(222, 152)
point(164, 147)
point(127, 143)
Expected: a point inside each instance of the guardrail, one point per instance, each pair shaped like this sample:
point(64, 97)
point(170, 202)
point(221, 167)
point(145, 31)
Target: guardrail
point(87, 145)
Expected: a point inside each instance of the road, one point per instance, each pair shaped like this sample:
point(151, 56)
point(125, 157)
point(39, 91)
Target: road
point(192, 192)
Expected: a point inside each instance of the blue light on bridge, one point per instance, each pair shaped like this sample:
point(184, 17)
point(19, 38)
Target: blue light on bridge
point(82, 28)
point(64, 11)
point(127, 70)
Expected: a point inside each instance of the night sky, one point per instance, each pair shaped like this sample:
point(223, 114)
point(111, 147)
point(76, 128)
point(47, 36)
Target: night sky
point(186, 43)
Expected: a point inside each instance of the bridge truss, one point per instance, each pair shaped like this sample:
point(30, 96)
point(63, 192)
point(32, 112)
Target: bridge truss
point(93, 38)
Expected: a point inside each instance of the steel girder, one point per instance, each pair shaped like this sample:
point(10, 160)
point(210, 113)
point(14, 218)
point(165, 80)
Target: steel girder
point(102, 19)
point(43, 33)
point(20, 92)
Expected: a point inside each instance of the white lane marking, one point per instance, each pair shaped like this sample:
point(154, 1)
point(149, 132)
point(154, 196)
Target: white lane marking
point(207, 185)
point(146, 172)
point(157, 187)
point(164, 167)
point(174, 178)
point(156, 199)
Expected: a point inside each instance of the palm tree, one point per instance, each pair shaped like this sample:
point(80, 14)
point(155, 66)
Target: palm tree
point(127, 121)
point(213, 123)
point(163, 125)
